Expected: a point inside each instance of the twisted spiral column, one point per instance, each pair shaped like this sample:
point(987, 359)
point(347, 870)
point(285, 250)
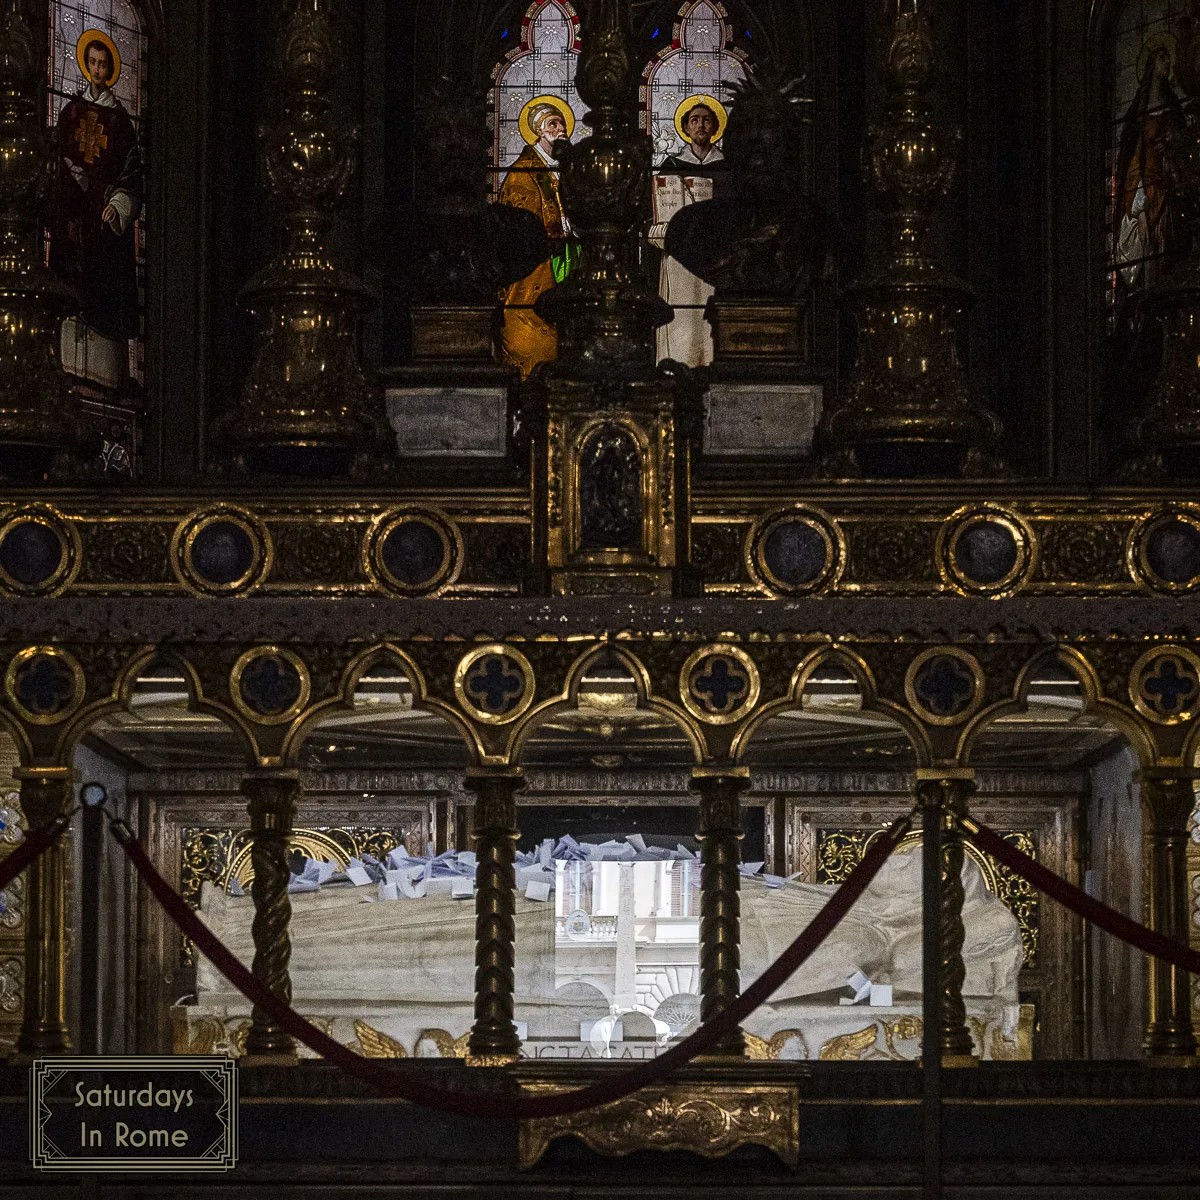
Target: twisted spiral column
point(45, 794)
point(720, 838)
point(494, 1034)
point(272, 811)
point(1169, 798)
point(944, 798)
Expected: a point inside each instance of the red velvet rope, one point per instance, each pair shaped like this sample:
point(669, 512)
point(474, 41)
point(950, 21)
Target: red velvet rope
point(1079, 902)
point(35, 843)
point(512, 1107)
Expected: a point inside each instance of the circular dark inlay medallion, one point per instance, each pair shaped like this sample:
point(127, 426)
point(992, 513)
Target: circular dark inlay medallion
point(223, 553)
point(795, 553)
point(31, 553)
point(986, 552)
point(1173, 551)
point(413, 552)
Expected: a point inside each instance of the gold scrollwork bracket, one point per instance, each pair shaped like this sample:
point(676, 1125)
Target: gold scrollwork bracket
point(708, 1119)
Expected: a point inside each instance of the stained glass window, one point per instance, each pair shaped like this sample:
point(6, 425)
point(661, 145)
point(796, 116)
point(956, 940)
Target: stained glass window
point(95, 229)
point(541, 64)
point(1143, 99)
point(700, 61)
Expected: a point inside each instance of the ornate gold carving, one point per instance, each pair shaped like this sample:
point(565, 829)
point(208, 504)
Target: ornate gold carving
point(705, 1118)
point(863, 1043)
point(771, 1049)
point(447, 1046)
point(376, 1044)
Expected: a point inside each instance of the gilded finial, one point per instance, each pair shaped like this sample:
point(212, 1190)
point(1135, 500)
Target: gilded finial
point(908, 409)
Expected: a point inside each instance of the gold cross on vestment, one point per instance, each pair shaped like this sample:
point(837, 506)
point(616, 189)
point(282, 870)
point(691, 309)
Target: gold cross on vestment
point(91, 138)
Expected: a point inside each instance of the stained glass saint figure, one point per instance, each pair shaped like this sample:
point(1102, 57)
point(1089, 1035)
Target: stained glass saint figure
point(685, 177)
point(96, 201)
point(532, 184)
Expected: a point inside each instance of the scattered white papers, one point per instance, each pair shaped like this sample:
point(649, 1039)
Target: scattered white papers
point(861, 986)
point(462, 889)
point(750, 868)
point(357, 873)
point(388, 891)
point(537, 891)
point(881, 995)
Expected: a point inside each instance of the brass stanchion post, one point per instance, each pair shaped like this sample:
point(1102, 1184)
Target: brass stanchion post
point(720, 836)
point(494, 1035)
point(45, 795)
point(272, 811)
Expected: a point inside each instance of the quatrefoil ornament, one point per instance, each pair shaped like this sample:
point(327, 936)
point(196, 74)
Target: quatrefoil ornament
point(1164, 685)
point(494, 684)
point(719, 684)
point(44, 684)
point(944, 685)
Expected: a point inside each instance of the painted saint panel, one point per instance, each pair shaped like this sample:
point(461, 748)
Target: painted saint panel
point(534, 105)
point(684, 111)
point(1144, 100)
point(94, 226)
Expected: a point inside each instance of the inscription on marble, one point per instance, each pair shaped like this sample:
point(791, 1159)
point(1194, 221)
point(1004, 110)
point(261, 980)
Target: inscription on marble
point(769, 419)
point(436, 422)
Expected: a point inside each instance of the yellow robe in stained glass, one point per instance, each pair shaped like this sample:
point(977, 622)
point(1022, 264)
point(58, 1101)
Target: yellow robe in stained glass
point(526, 339)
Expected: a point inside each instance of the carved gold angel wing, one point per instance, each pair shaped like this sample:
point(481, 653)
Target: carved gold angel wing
point(448, 1047)
point(847, 1047)
point(376, 1044)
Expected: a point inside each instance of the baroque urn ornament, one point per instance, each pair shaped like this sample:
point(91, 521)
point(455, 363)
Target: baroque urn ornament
point(908, 410)
point(306, 407)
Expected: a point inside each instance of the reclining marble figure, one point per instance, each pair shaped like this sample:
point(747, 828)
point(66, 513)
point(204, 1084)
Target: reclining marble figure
point(408, 965)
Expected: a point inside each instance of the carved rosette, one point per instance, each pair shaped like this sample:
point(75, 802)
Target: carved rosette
point(272, 811)
point(908, 408)
point(493, 1034)
point(37, 433)
point(306, 407)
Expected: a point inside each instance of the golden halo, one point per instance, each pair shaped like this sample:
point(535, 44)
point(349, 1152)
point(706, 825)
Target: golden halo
point(97, 35)
point(555, 102)
point(709, 102)
point(1156, 41)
